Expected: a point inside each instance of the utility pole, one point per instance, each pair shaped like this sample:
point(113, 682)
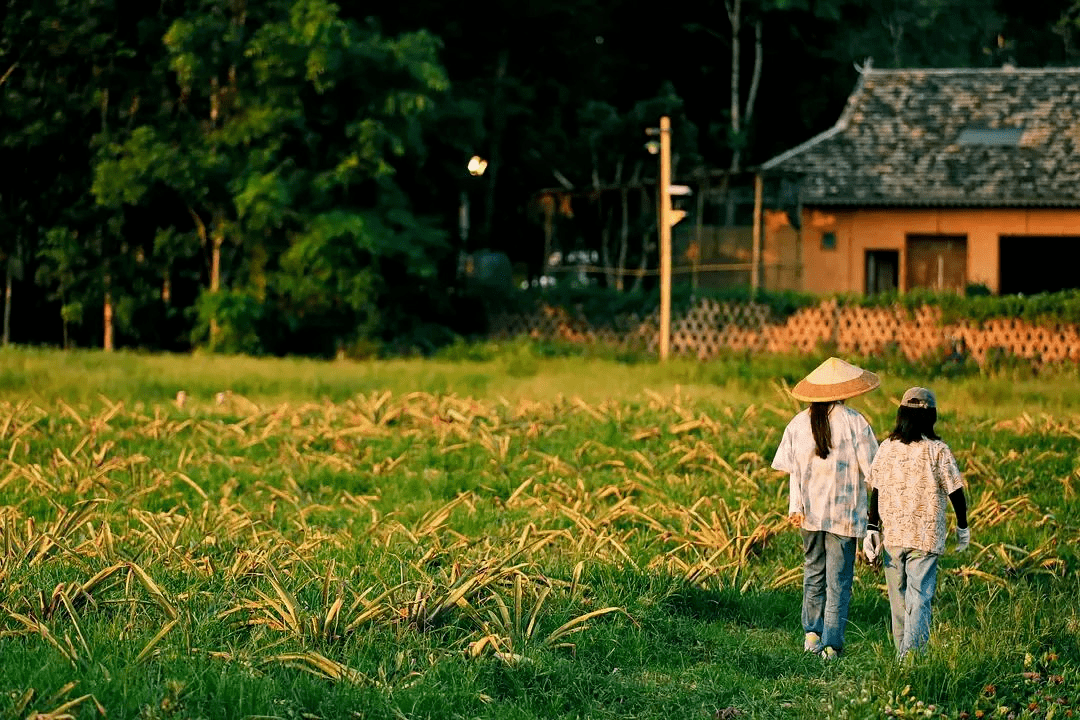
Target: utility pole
point(665, 237)
point(667, 218)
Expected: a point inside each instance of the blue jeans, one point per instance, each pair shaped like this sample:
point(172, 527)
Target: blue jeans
point(912, 578)
point(828, 568)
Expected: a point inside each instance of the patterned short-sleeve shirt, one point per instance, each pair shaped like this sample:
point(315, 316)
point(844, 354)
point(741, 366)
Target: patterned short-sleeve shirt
point(914, 482)
point(830, 492)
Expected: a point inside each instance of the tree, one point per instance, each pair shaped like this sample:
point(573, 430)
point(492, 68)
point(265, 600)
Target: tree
point(291, 169)
point(928, 33)
point(77, 70)
point(614, 142)
point(289, 127)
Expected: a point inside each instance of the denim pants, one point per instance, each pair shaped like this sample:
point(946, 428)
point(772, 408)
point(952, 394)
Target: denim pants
point(828, 568)
point(911, 576)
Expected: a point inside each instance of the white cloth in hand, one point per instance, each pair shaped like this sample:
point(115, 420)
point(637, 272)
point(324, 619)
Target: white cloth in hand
point(963, 539)
point(872, 545)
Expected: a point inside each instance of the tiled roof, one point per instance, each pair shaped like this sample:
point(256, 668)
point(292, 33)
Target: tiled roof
point(898, 141)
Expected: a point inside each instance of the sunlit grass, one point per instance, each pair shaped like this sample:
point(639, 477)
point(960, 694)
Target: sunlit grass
point(513, 372)
point(512, 537)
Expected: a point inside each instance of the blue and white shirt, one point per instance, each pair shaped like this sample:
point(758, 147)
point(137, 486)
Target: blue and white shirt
point(831, 493)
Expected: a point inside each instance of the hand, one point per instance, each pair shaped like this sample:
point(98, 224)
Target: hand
point(963, 539)
point(795, 519)
point(872, 544)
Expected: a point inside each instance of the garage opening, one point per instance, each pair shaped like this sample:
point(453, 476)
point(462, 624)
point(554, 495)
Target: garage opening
point(938, 262)
point(1034, 264)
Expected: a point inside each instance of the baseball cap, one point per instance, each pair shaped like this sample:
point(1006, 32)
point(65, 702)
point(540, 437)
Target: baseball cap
point(919, 397)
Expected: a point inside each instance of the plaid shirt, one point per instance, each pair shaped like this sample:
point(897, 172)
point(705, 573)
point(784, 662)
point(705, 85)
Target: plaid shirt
point(914, 482)
point(831, 492)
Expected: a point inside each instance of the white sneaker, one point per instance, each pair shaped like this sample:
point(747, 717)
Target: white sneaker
point(812, 643)
point(829, 653)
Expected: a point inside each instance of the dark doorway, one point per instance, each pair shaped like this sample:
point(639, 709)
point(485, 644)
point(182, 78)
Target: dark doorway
point(882, 271)
point(938, 262)
point(1035, 264)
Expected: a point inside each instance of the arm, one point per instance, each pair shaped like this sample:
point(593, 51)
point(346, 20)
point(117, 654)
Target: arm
point(785, 462)
point(866, 447)
point(795, 501)
point(872, 543)
point(959, 503)
point(873, 479)
point(948, 472)
point(963, 532)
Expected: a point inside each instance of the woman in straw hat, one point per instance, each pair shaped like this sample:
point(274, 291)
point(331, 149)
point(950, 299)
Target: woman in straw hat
point(827, 450)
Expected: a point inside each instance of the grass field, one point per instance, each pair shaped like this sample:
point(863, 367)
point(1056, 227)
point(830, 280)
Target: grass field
point(511, 537)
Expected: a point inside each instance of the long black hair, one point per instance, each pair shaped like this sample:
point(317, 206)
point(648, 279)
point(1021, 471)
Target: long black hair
point(913, 424)
point(819, 424)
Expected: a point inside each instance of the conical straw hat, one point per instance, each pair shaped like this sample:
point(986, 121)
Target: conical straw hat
point(833, 380)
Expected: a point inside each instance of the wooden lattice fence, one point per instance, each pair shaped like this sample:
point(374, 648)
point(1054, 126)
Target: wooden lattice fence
point(710, 327)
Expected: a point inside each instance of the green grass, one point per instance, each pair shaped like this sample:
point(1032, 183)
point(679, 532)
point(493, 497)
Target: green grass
point(512, 371)
point(386, 485)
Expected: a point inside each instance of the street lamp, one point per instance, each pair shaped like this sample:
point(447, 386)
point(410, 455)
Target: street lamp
point(667, 218)
point(477, 165)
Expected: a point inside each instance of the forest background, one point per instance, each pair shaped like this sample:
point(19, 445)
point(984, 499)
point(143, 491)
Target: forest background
point(289, 177)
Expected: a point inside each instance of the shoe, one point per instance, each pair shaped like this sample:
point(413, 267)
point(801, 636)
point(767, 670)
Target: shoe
point(812, 643)
point(829, 653)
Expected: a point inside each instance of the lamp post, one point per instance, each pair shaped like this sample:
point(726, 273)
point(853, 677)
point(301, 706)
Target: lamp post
point(477, 165)
point(667, 218)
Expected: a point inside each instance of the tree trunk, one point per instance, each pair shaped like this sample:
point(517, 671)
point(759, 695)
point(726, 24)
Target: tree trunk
point(734, 10)
point(108, 315)
point(215, 257)
point(624, 238)
point(895, 25)
point(624, 234)
point(646, 246)
point(605, 251)
point(729, 201)
point(215, 101)
point(7, 73)
point(751, 98)
point(699, 228)
point(215, 269)
point(549, 235)
point(755, 78)
point(63, 318)
point(8, 279)
point(611, 277)
point(498, 128)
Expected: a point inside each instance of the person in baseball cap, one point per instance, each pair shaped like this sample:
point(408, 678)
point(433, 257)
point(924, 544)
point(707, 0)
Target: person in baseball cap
point(913, 478)
point(827, 450)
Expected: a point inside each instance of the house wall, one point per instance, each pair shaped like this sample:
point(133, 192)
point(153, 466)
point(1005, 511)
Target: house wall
point(857, 230)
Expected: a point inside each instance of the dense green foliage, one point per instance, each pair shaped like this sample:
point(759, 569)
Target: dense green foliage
point(289, 176)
